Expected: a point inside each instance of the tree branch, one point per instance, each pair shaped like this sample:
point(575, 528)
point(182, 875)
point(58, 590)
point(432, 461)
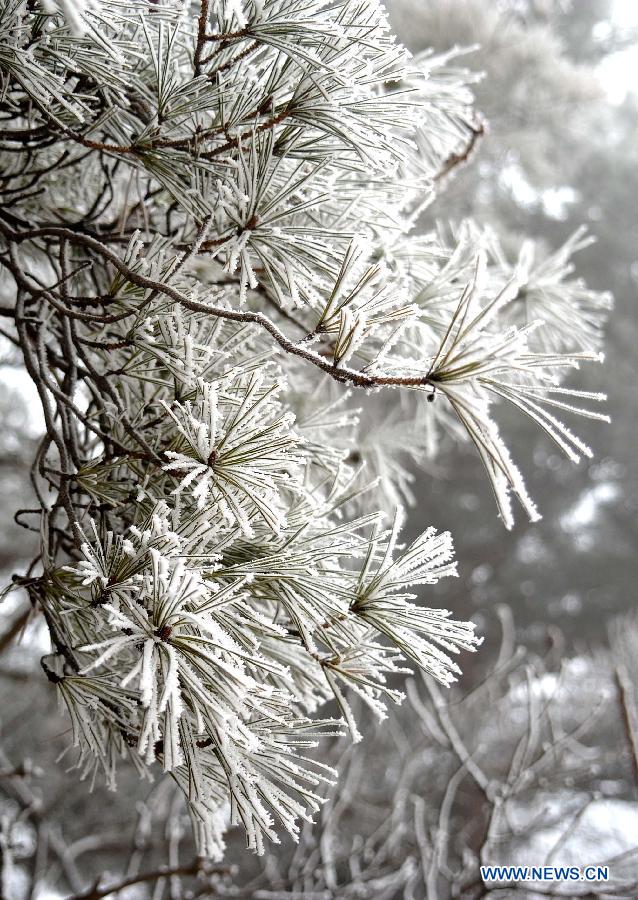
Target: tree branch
point(342, 374)
point(197, 868)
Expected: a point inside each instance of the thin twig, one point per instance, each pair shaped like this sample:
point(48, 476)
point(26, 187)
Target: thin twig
point(198, 867)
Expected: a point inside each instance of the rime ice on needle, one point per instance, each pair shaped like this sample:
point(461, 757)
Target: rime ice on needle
point(210, 241)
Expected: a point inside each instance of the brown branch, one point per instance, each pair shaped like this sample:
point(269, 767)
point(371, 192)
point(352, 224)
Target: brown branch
point(344, 374)
point(246, 135)
point(232, 61)
point(99, 145)
point(477, 130)
point(228, 36)
point(201, 35)
point(192, 870)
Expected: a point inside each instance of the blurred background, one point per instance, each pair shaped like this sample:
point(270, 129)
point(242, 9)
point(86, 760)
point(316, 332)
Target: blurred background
point(534, 758)
point(559, 94)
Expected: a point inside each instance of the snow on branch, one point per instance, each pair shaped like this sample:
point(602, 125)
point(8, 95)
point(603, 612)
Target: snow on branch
point(207, 232)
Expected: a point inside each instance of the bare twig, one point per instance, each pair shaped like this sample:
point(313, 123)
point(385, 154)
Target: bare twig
point(197, 868)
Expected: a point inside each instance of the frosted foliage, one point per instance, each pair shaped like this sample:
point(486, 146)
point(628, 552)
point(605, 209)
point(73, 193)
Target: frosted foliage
point(531, 86)
point(207, 235)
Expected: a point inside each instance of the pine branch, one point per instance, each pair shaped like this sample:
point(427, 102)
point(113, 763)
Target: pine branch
point(178, 193)
point(341, 374)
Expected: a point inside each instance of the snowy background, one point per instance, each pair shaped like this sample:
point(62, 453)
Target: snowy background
point(561, 98)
